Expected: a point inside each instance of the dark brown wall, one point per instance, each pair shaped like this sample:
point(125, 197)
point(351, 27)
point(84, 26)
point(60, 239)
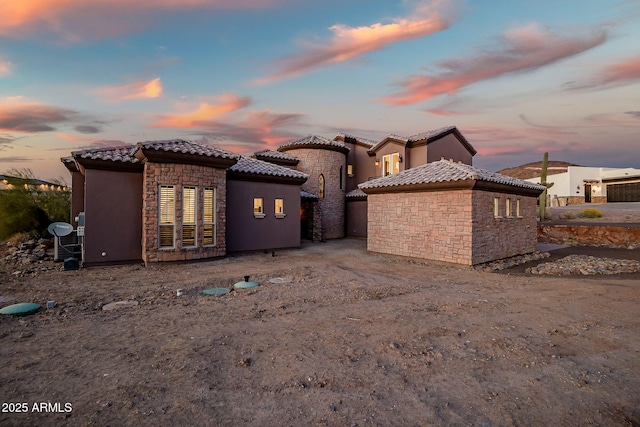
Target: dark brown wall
point(77, 196)
point(363, 166)
point(356, 220)
point(247, 233)
point(113, 216)
point(448, 147)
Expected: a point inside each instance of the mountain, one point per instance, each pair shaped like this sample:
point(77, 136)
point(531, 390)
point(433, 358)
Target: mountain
point(534, 170)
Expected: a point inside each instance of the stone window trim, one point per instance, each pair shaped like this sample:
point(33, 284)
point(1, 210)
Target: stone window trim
point(496, 208)
point(518, 209)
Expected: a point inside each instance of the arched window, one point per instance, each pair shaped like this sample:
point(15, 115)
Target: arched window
point(321, 186)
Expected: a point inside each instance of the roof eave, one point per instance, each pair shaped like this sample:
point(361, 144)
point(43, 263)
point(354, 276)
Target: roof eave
point(161, 156)
point(257, 177)
point(328, 147)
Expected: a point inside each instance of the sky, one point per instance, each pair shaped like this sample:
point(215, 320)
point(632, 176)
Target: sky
point(517, 78)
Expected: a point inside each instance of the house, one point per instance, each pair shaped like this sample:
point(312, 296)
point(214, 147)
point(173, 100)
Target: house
point(593, 185)
point(178, 200)
point(451, 212)
point(167, 201)
point(10, 182)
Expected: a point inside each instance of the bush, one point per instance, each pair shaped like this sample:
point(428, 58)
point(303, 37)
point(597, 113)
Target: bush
point(590, 213)
point(30, 210)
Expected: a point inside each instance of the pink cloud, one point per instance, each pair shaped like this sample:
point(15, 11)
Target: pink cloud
point(350, 42)
point(205, 112)
point(133, 90)
point(523, 49)
point(255, 131)
point(621, 73)
point(76, 20)
point(5, 67)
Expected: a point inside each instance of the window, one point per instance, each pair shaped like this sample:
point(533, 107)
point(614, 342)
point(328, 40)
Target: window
point(518, 213)
point(496, 207)
point(390, 164)
point(350, 170)
point(321, 186)
point(279, 205)
point(508, 212)
point(341, 177)
point(209, 217)
point(257, 208)
point(167, 216)
point(189, 217)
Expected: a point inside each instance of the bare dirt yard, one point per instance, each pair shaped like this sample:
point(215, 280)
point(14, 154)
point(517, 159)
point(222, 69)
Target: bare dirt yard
point(353, 339)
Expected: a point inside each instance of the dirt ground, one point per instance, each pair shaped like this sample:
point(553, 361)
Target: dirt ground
point(354, 339)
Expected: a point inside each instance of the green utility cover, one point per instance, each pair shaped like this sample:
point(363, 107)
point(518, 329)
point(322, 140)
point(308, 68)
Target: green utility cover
point(21, 309)
point(216, 291)
point(245, 285)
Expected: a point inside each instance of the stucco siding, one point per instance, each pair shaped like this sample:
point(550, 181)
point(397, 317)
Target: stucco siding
point(245, 232)
point(113, 216)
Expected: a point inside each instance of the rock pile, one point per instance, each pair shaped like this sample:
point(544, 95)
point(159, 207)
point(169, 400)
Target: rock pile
point(501, 264)
point(586, 265)
point(27, 257)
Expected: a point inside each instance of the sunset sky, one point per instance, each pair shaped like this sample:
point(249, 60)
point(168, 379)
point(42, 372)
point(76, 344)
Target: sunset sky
point(518, 78)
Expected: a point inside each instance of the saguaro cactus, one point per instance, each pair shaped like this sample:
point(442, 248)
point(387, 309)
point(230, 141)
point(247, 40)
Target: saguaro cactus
point(543, 181)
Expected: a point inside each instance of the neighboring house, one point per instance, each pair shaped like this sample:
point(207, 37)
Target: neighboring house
point(178, 200)
point(10, 182)
point(452, 212)
point(593, 185)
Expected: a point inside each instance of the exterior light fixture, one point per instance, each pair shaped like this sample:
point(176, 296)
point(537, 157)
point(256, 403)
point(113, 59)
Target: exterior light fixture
point(400, 159)
point(377, 162)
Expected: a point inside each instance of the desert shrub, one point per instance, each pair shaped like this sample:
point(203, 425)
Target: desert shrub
point(568, 215)
point(590, 213)
point(19, 238)
point(31, 210)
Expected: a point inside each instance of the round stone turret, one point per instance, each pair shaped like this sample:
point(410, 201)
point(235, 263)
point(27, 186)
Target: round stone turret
point(325, 163)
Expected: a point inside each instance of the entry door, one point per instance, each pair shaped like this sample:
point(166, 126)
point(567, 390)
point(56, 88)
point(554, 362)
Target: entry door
point(587, 193)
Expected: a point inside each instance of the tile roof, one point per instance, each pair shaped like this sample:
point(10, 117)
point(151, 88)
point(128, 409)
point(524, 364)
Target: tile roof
point(307, 195)
point(430, 134)
point(259, 167)
point(187, 147)
point(366, 141)
point(272, 154)
point(115, 154)
point(446, 171)
point(356, 194)
point(312, 140)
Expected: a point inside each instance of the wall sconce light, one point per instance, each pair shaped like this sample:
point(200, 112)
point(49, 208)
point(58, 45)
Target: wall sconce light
point(377, 162)
point(400, 159)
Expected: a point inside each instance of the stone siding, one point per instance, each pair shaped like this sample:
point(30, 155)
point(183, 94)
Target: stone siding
point(506, 236)
point(431, 225)
point(179, 175)
point(452, 226)
point(327, 162)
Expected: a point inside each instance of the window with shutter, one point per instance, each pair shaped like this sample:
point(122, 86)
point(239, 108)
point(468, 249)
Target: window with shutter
point(167, 213)
point(189, 216)
point(209, 217)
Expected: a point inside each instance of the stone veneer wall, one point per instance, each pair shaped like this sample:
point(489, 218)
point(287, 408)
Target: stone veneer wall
point(316, 161)
point(452, 226)
point(497, 238)
point(178, 175)
point(432, 225)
